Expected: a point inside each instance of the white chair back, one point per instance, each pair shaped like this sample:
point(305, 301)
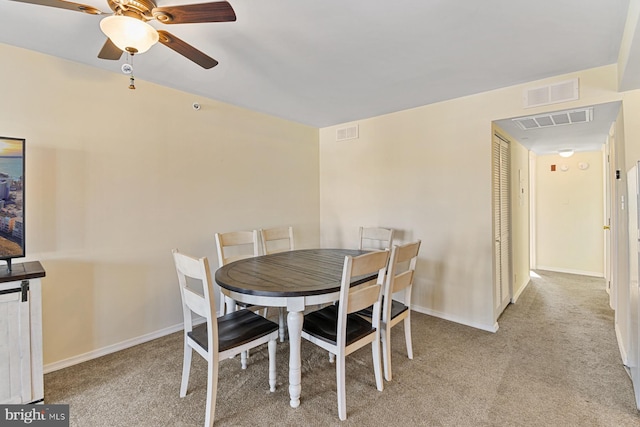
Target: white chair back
point(375, 238)
point(233, 246)
point(399, 283)
point(192, 270)
point(276, 240)
point(236, 245)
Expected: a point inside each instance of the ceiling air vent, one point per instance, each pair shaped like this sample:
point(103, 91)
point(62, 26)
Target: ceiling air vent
point(558, 118)
point(350, 132)
point(552, 94)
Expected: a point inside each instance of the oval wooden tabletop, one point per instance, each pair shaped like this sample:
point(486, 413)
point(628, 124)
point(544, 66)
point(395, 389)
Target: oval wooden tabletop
point(287, 274)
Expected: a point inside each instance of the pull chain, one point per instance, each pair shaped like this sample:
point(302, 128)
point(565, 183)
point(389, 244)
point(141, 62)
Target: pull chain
point(132, 82)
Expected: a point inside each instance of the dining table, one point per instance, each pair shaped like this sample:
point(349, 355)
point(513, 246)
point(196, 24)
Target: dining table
point(293, 279)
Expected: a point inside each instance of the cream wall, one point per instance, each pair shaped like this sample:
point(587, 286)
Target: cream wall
point(410, 172)
point(631, 129)
point(569, 214)
point(102, 222)
point(427, 172)
point(116, 178)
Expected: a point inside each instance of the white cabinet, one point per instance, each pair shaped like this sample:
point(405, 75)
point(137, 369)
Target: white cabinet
point(21, 376)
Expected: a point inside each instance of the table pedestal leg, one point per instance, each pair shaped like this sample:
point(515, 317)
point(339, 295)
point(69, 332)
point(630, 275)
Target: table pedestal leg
point(294, 321)
point(231, 304)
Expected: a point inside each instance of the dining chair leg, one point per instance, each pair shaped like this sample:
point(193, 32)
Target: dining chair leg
point(186, 369)
point(340, 381)
point(385, 338)
point(272, 365)
point(243, 359)
point(222, 303)
point(407, 336)
point(231, 306)
point(377, 362)
point(212, 389)
point(332, 357)
point(281, 324)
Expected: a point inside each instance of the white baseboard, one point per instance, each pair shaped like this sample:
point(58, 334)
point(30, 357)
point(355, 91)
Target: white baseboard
point(94, 354)
point(571, 271)
point(456, 319)
point(51, 367)
point(520, 291)
point(623, 351)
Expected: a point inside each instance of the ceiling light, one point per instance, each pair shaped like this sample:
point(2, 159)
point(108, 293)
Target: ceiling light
point(567, 152)
point(129, 34)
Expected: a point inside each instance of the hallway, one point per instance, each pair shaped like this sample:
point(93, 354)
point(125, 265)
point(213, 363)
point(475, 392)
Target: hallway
point(561, 333)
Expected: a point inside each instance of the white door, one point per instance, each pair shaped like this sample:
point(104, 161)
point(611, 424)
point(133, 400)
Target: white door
point(502, 223)
point(634, 259)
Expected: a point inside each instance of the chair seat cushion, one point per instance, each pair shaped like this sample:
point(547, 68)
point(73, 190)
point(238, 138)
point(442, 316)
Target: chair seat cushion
point(324, 324)
point(396, 308)
point(235, 329)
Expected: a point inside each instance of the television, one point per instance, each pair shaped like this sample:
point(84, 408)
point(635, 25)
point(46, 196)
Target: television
point(12, 236)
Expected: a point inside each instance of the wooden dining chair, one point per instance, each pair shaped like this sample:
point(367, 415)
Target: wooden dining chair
point(398, 283)
point(236, 245)
point(275, 240)
point(337, 329)
point(216, 338)
point(375, 238)
point(233, 246)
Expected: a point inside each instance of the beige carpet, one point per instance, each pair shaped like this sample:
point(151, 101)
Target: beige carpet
point(554, 362)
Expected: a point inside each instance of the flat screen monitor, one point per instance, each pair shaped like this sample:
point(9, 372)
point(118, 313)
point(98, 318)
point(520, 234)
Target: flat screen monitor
point(12, 236)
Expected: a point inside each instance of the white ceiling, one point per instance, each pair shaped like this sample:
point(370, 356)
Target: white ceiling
point(326, 62)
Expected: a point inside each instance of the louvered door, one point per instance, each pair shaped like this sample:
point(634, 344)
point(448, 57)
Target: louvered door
point(501, 227)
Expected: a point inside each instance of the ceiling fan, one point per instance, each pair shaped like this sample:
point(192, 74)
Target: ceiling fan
point(127, 28)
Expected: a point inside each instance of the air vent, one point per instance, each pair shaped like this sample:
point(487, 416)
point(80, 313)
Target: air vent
point(552, 94)
point(350, 132)
point(558, 118)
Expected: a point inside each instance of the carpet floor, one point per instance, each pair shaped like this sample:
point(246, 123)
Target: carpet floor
point(553, 362)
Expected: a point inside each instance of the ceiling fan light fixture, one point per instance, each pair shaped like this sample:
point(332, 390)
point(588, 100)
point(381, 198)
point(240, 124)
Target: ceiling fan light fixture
point(567, 152)
point(129, 34)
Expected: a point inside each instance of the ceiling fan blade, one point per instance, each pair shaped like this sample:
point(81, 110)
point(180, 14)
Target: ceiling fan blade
point(186, 50)
point(110, 51)
point(220, 11)
point(61, 4)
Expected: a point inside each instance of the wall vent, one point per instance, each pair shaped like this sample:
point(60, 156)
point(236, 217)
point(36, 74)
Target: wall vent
point(350, 132)
point(569, 117)
point(567, 90)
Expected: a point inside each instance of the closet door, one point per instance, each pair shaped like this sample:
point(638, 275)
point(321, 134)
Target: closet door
point(502, 224)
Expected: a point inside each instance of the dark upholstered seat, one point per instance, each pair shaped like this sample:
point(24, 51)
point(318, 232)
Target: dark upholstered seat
point(397, 308)
point(235, 329)
point(324, 325)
